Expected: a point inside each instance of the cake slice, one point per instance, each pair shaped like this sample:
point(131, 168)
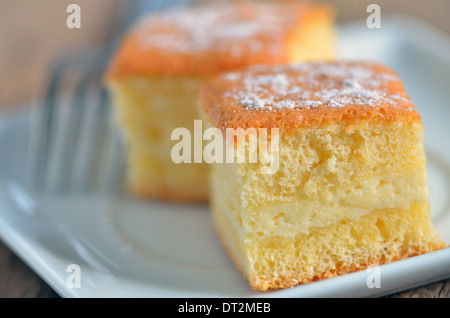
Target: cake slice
point(159, 65)
point(350, 187)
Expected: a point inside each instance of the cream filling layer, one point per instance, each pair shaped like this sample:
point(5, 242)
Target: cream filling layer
point(293, 217)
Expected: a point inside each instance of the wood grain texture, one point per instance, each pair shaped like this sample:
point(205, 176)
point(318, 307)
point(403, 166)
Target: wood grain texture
point(33, 33)
point(436, 290)
point(17, 280)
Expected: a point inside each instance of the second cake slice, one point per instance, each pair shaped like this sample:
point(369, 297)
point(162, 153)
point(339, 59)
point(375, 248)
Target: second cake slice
point(155, 74)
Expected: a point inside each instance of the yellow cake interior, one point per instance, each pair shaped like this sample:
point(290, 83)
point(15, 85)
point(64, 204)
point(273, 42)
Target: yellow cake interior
point(343, 198)
point(148, 109)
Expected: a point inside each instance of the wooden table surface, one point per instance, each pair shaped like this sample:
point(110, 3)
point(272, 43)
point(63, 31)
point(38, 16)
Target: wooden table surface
point(33, 33)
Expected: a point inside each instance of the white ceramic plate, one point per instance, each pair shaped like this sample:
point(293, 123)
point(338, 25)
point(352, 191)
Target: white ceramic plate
point(130, 248)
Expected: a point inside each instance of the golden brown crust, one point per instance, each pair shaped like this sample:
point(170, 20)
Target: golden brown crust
point(212, 38)
point(272, 283)
point(306, 95)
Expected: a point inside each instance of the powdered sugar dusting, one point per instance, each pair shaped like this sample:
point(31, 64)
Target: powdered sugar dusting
point(220, 27)
point(312, 85)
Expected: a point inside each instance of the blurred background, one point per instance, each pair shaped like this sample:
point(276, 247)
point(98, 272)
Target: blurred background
point(33, 33)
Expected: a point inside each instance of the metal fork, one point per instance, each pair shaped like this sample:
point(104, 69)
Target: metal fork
point(74, 146)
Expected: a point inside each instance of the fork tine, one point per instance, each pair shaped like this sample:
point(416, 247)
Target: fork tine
point(112, 177)
point(92, 138)
point(42, 135)
point(76, 123)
